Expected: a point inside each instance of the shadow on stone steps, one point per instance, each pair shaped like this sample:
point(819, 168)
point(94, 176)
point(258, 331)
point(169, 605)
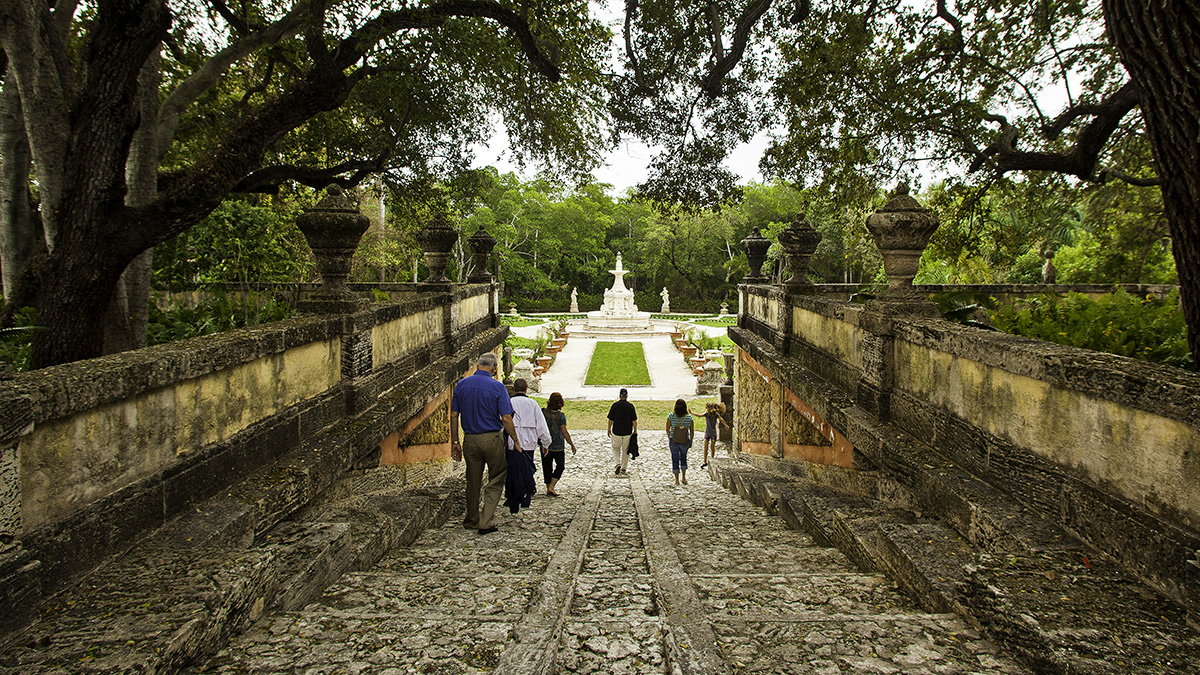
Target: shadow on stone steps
point(1062, 610)
point(179, 597)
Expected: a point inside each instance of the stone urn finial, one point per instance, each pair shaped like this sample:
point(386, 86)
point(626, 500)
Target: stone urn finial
point(437, 239)
point(756, 247)
point(799, 241)
point(481, 244)
point(333, 228)
point(901, 229)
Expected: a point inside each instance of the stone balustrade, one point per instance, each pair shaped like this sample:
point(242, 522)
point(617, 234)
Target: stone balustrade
point(93, 454)
point(1105, 445)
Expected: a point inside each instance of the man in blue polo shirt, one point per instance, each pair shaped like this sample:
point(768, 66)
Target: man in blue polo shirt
point(485, 409)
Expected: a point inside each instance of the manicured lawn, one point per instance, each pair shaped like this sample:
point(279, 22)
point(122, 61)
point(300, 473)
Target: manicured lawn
point(618, 363)
point(652, 415)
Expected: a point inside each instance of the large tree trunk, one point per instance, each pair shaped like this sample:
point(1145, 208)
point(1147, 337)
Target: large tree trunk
point(128, 315)
point(20, 231)
point(1159, 43)
point(73, 292)
point(128, 312)
point(96, 239)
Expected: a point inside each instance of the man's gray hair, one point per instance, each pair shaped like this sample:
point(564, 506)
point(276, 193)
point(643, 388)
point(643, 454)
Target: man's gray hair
point(486, 360)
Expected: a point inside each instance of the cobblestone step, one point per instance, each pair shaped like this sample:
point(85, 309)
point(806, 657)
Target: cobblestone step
point(1060, 609)
point(622, 574)
point(178, 597)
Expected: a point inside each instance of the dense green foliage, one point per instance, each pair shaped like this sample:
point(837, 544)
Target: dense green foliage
point(1119, 323)
point(552, 239)
point(239, 242)
point(618, 363)
point(16, 342)
point(1111, 233)
point(214, 314)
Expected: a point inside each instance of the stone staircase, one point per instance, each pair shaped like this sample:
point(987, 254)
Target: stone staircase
point(178, 597)
point(622, 574)
point(1059, 606)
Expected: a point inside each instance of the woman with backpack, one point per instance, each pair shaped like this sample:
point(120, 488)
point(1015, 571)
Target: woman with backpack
point(680, 430)
point(555, 457)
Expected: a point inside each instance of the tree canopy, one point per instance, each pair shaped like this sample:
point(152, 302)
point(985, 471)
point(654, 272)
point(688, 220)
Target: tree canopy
point(858, 92)
point(128, 121)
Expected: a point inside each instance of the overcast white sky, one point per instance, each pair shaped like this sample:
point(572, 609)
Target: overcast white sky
point(625, 166)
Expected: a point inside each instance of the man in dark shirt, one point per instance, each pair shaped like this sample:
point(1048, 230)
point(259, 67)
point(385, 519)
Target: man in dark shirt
point(485, 408)
point(622, 423)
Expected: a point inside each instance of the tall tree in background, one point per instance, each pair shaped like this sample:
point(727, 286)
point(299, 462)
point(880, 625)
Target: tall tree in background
point(856, 91)
point(248, 88)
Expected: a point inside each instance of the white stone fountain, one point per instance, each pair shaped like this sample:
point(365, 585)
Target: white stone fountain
point(619, 311)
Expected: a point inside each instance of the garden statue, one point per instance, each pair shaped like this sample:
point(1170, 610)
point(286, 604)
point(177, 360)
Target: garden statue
point(574, 301)
point(1048, 270)
point(666, 306)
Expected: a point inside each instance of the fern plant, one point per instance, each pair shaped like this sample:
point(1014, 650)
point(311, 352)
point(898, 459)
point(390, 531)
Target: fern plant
point(1149, 329)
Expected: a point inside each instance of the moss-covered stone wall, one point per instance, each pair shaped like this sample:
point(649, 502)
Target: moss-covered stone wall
point(94, 453)
point(1106, 446)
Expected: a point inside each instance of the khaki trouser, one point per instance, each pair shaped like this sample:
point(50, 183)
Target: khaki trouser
point(620, 446)
point(479, 450)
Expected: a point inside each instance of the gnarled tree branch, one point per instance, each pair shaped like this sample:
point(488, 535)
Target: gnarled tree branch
point(268, 179)
point(207, 75)
point(1082, 160)
point(722, 66)
point(1118, 103)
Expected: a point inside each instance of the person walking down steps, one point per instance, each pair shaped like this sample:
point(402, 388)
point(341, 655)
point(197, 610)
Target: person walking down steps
point(713, 417)
point(531, 432)
point(556, 455)
point(483, 405)
point(680, 430)
point(622, 423)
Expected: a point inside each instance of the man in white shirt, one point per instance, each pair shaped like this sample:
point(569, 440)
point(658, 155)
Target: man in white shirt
point(529, 421)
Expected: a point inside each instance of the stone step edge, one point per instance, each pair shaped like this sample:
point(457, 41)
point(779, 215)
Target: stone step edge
point(930, 562)
point(286, 569)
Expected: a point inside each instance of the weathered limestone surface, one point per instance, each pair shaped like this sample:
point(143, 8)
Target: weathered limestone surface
point(971, 423)
point(1061, 607)
point(95, 455)
point(177, 598)
point(622, 574)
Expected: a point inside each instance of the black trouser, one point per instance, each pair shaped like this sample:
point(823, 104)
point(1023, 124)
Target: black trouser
point(552, 464)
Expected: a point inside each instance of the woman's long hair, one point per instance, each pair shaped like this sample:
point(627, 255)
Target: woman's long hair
point(680, 407)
